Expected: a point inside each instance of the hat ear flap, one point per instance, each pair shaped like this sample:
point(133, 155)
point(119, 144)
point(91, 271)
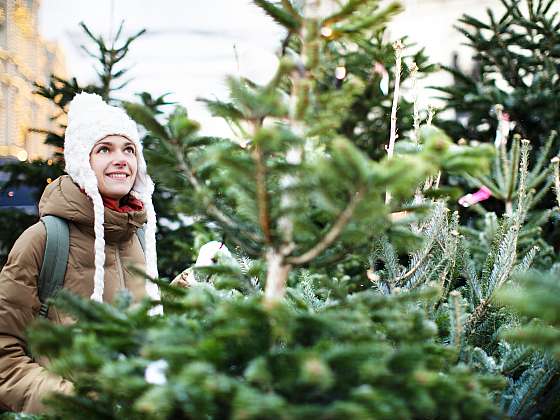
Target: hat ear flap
point(99, 244)
point(152, 289)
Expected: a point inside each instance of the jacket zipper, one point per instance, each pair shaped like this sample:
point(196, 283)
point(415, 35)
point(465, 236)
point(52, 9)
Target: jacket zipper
point(120, 269)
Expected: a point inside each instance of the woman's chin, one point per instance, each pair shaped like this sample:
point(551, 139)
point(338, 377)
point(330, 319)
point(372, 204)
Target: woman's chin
point(116, 192)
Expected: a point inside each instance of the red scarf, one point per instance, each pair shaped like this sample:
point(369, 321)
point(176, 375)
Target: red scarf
point(128, 204)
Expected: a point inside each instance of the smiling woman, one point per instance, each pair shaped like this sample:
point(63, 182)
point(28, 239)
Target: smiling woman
point(104, 199)
point(113, 160)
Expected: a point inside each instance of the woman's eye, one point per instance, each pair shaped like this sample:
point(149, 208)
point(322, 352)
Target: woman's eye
point(129, 150)
point(103, 149)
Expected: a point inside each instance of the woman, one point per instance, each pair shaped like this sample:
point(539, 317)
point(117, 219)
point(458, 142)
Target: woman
point(106, 197)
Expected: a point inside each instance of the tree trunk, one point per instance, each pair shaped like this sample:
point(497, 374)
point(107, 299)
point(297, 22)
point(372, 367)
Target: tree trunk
point(276, 277)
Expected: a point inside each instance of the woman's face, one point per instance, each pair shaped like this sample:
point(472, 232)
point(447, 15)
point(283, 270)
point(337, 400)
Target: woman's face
point(113, 160)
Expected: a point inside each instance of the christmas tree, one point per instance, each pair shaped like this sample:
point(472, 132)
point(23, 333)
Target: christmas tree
point(472, 263)
point(274, 335)
point(353, 288)
point(516, 69)
point(517, 64)
point(372, 60)
point(512, 90)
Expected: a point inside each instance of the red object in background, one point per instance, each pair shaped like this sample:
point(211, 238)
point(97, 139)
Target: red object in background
point(482, 194)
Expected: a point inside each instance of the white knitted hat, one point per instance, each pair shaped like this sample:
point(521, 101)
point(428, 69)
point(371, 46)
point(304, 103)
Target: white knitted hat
point(90, 120)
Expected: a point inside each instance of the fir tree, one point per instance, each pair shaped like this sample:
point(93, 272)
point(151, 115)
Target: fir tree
point(371, 60)
point(289, 189)
point(218, 355)
point(471, 264)
point(293, 194)
point(516, 67)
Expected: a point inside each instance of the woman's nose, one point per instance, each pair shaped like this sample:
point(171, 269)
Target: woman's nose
point(120, 158)
point(120, 162)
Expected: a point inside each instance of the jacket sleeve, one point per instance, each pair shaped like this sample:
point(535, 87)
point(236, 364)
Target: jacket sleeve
point(23, 382)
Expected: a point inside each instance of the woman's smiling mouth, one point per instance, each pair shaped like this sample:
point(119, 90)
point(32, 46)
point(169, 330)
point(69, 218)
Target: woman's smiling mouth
point(119, 176)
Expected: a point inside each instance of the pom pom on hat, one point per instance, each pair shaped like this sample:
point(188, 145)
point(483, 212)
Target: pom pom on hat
point(90, 119)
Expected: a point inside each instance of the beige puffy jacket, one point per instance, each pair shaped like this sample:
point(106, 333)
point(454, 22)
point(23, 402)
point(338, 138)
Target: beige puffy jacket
point(23, 381)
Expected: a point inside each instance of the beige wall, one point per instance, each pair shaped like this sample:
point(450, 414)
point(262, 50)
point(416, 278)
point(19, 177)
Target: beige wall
point(25, 59)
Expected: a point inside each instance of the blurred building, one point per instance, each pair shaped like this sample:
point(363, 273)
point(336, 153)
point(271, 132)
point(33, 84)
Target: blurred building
point(25, 59)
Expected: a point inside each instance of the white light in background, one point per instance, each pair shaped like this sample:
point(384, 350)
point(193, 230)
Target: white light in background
point(22, 155)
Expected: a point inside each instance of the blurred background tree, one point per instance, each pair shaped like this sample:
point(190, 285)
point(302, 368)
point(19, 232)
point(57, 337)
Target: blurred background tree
point(514, 88)
point(516, 66)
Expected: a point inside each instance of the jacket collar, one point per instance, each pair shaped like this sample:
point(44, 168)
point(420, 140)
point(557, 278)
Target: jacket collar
point(63, 198)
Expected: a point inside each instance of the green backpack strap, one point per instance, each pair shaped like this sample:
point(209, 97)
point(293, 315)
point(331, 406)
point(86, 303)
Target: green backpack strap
point(51, 278)
point(141, 233)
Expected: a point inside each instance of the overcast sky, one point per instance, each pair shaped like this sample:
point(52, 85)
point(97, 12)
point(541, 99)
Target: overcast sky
point(190, 46)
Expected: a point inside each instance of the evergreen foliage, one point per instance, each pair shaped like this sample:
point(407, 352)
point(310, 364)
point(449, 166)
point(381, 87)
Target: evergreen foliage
point(179, 235)
point(353, 290)
point(516, 67)
point(517, 57)
point(289, 189)
point(371, 60)
point(504, 184)
point(471, 264)
point(535, 297)
point(223, 355)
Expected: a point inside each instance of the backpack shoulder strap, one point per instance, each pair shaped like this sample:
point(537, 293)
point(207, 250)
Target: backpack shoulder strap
point(141, 233)
point(51, 278)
